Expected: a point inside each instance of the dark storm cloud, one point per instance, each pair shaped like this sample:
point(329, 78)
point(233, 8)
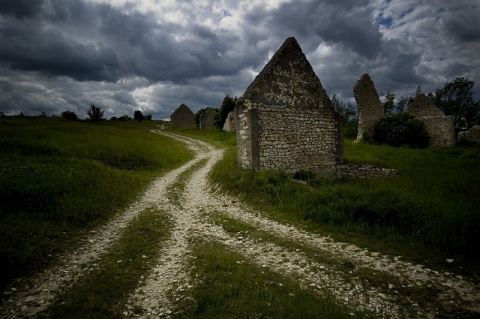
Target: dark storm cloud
point(345, 23)
point(20, 8)
point(66, 54)
point(464, 27)
point(98, 42)
point(54, 54)
point(124, 97)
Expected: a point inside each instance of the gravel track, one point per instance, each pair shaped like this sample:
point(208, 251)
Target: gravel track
point(169, 281)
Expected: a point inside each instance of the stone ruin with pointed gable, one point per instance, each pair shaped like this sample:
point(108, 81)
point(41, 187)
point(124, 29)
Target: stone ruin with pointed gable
point(207, 119)
point(285, 119)
point(439, 127)
point(369, 108)
point(182, 117)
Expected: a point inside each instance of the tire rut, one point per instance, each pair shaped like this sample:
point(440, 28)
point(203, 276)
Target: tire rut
point(191, 216)
point(36, 293)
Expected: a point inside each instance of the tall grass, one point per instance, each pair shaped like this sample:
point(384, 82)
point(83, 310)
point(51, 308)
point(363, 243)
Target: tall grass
point(435, 201)
point(59, 178)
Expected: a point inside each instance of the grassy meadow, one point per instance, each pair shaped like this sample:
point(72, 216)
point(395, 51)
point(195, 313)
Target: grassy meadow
point(60, 178)
point(431, 209)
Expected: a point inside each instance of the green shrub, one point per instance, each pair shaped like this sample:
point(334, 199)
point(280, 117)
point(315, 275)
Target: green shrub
point(69, 115)
point(401, 130)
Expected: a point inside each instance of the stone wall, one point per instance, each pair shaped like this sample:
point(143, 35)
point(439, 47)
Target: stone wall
point(364, 171)
point(472, 135)
point(182, 117)
point(369, 108)
point(285, 120)
point(439, 127)
point(229, 125)
point(207, 119)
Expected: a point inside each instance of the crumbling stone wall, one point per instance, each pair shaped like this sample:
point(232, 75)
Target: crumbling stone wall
point(182, 117)
point(369, 108)
point(285, 120)
point(229, 125)
point(207, 119)
point(439, 127)
point(472, 135)
point(364, 171)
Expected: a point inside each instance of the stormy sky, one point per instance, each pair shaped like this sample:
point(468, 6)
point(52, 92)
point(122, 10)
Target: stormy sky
point(153, 55)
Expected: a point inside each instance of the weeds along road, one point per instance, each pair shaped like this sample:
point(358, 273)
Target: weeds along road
point(384, 286)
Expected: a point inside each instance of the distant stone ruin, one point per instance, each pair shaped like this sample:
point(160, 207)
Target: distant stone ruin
point(472, 135)
point(439, 127)
point(207, 119)
point(369, 108)
point(285, 119)
point(229, 125)
point(182, 117)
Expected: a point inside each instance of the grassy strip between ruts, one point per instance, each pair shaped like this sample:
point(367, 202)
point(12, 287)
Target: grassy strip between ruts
point(175, 191)
point(433, 204)
point(60, 178)
point(229, 286)
point(102, 293)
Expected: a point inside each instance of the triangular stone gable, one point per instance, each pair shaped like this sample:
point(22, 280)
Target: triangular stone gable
point(183, 109)
point(182, 117)
point(207, 119)
point(303, 89)
point(439, 127)
point(285, 119)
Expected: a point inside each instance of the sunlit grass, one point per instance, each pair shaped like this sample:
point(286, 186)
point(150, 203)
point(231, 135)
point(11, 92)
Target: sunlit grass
point(59, 178)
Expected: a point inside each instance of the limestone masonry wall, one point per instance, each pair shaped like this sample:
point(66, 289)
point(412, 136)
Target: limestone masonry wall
point(207, 119)
point(182, 117)
point(472, 135)
point(364, 171)
point(229, 125)
point(369, 108)
point(439, 127)
point(285, 120)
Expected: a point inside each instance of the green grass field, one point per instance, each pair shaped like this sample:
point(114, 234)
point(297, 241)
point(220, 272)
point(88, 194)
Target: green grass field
point(433, 206)
point(59, 178)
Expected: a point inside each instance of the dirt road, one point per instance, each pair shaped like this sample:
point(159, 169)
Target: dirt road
point(190, 210)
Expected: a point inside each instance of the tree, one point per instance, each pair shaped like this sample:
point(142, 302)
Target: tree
point(389, 104)
point(228, 104)
point(401, 130)
point(138, 116)
point(94, 113)
point(69, 115)
point(456, 98)
point(350, 120)
point(403, 103)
